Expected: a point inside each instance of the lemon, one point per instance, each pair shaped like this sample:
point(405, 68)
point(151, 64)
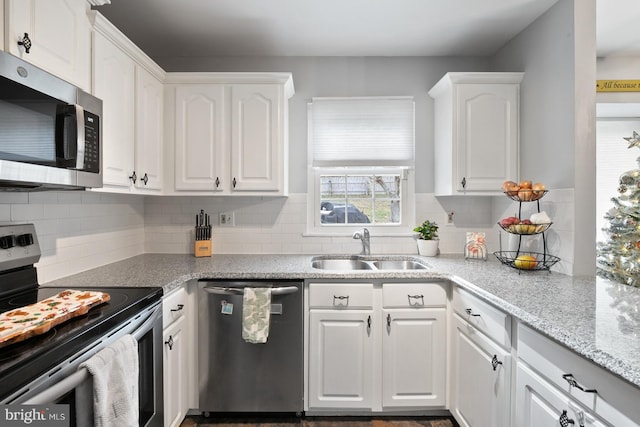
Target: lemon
point(525, 262)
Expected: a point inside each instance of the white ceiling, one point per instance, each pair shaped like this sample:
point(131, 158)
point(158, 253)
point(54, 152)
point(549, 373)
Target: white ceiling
point(169, 28)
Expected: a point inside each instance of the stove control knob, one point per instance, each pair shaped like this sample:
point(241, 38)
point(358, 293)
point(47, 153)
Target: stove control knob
point(7, 242)
point(25, 239)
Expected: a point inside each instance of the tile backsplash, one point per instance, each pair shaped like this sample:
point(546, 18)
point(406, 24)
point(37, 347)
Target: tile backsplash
point(85, 229)
point(277, 225)
point(78, 230)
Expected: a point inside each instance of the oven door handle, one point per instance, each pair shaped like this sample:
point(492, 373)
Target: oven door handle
point(148, 324)
point(60, 388)
point(284, 290)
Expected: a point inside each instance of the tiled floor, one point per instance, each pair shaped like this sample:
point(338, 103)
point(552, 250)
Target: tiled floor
point(196, 421)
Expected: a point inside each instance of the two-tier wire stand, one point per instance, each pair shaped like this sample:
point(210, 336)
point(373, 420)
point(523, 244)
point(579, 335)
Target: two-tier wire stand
point(544, 260)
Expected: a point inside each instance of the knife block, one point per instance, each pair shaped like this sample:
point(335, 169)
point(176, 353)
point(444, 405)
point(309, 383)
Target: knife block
point(202, 248)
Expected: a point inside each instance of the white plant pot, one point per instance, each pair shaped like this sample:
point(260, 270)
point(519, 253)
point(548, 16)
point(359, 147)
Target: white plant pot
point(427, 247)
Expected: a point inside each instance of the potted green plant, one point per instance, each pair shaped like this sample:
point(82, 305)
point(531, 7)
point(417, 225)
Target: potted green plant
point(427, 238)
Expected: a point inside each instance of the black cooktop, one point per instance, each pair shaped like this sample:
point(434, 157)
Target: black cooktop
point(23, 361)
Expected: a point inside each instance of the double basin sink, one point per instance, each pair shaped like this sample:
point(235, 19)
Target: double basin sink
point(385, 263)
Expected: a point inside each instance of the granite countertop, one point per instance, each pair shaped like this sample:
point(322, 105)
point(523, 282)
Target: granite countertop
point(596, 318)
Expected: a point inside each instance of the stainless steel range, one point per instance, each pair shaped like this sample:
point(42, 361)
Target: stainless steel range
point(45, 368)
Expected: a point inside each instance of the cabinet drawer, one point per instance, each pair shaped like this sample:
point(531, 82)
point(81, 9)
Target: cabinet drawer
point(338, 295)
point(407, 295)
point(493, 322)
point(174, 306)
point(614, 400)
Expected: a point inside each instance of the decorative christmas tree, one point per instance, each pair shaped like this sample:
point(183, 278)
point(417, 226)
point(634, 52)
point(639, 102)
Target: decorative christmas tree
point(619, 257)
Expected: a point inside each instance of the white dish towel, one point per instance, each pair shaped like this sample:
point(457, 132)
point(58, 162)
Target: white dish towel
point(256, 314)
point(115, 384)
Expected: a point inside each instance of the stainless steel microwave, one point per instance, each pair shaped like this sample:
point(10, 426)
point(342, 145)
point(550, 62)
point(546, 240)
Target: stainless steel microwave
point(50, 131)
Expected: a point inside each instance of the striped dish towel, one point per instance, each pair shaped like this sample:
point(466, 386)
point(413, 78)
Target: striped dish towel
point(256, 314)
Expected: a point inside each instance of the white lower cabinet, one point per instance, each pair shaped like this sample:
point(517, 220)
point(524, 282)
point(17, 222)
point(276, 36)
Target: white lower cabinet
point(555, 386)
point(480, 378)
point(377, 346)
point(540, 404)
point(414, 357)
point(176, 319)
point(174, 379)
point(480, 371)
point(340, 359)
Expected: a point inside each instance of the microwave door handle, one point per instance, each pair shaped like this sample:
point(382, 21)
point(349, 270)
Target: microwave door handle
point(80, 137)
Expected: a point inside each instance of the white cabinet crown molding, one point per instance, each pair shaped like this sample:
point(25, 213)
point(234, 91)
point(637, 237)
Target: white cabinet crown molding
point(98, 2)
point(230, 78)
point(474, 77)
point(111, 32)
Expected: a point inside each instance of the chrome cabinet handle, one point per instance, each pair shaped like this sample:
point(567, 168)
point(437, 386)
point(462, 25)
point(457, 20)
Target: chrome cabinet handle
point(180, 307)
point(234, 183)
point(217, 182)
point(495, 362)
point(388, 320)
point(464, 182)
point(145, 179)
point(564, 419)
point(573, 383)
point(341, 298)
point(169, 342)
point(471, 313)
point(133, 177)
point(369, 324)
point(25, 42)
point(416, 297)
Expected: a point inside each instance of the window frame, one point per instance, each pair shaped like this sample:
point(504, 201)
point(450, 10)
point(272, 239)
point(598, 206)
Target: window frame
point(407, 187)
point(407, 202)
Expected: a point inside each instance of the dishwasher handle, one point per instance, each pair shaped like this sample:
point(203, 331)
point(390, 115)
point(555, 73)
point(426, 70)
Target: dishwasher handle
point(284, 290)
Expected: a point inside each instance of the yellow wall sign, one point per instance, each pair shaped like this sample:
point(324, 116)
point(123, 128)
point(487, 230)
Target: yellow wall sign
point(617, 85)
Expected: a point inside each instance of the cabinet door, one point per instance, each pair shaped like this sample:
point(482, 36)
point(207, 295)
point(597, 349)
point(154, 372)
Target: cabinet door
point(340, 359)
point(479, 386)
point(60, 34)
point(487, 136)
point(256, 138)
point(114, 80)
point(149, 122)
point(414, 357)
point(201, 156)
point(540, 404)
point(175, 375)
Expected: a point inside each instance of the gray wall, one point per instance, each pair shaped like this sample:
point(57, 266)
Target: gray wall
point(347, 76)
point(545, 52)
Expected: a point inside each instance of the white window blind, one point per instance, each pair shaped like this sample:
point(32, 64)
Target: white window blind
point(372, 131)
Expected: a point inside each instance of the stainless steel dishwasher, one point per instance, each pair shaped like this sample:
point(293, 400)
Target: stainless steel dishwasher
point(237, 376)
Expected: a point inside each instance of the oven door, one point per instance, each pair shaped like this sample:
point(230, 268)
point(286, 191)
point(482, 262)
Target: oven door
point(60, 388)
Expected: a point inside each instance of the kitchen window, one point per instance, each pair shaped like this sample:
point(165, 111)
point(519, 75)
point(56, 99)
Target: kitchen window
point(361, 161)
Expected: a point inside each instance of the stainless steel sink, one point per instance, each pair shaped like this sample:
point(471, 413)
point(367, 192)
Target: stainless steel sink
point(341, 264)
point(399, 265)
point(375, 263)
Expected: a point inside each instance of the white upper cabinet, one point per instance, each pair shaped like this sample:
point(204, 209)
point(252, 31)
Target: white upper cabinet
point(476, 132)
point(149, 113)
point(230, 132)
point(130, 86)
point(257, 154)
point(114, 80)
point(60, 34)
point(200, 138)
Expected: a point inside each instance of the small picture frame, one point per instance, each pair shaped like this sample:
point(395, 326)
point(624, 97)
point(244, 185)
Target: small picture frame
point(475, 247)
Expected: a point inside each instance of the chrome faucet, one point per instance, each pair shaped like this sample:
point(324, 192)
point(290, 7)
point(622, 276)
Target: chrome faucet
point(366, 241)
